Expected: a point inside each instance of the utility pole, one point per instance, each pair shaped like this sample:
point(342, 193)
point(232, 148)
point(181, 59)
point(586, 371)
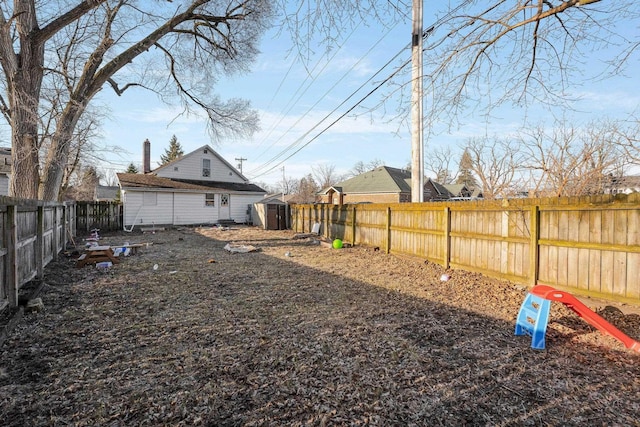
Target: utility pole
point(417, 133)
point(241, 159)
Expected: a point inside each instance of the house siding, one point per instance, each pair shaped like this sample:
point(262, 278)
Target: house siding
point(190, 167)
point(175, 208)
point(239, 205)
point(137, 213)
point(191, 209)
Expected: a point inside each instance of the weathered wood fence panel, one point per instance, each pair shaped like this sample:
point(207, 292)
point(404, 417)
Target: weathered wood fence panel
point(106, 216)
point(32, 234)
point(586, 245)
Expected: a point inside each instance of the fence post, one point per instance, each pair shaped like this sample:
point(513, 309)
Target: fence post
point(56, 232)
point(40, 252)
point(447, 237)
point(534, 250)
point(10, 267)
point(353, 227)
point(298, 219)
point(388, 225)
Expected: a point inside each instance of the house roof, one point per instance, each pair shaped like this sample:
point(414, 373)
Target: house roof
point(383, 179)
point(151, 181)
point(455, 189)
point(198, 151)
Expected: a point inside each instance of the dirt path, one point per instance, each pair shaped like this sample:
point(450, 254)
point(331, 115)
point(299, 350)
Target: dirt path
point(298, 334)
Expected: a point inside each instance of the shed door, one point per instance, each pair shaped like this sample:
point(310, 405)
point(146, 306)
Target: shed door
point(282, 217)
point(272, 217)
point(224, 211)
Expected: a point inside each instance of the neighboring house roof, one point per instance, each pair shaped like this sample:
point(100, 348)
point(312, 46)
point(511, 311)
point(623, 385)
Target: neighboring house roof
point(383, 179)
point(456, 190)
point(442, 190)
point(197, 152)
point(151, 181)
point(630, 182)
point(104, 192)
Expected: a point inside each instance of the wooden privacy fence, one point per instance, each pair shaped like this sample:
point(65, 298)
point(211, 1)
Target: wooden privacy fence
point(586, 245)
point(106, 216)
point(31, 235)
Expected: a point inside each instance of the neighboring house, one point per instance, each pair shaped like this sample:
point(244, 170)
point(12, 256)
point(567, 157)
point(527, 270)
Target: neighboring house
point(198, 188)
point(389, 185)
point(106, 193)
point(434, 191)
point(622, 184)
point(380, 185)
point(5, 170)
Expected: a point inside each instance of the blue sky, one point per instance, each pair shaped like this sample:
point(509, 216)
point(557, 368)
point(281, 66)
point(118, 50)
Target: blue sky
point(291, 102)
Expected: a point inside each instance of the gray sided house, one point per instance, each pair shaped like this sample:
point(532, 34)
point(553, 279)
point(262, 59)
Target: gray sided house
point(198, 188)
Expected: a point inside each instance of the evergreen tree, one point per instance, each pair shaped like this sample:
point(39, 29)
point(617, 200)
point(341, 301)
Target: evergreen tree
point(173, 152)
point(465, 174)
point(132, 168)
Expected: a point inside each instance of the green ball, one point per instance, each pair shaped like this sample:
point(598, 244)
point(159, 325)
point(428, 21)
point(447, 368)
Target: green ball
point(337, 244)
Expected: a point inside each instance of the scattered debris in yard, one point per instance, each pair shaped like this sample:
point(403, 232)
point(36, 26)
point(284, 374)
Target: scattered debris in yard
point(325, 338)
point(240, 249)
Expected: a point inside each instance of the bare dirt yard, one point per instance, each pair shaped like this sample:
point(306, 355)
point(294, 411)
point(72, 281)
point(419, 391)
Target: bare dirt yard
point(297, 334)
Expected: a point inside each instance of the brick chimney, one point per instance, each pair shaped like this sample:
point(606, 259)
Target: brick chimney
point(146, 156)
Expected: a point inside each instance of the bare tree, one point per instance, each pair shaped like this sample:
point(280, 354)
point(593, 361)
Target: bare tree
point(570, 161)
point(362, 167)
point(83, 184)
point(307, 190)
point(439, 162)
point(194, 41)
point(167, 47)
point(496, 163)
point(288, 185)
point(325, 175)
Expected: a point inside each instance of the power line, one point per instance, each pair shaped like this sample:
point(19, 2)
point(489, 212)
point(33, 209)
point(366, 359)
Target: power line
point(291, 146)
point(266, 164)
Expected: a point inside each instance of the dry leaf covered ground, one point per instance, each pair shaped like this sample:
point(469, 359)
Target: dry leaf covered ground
point(320, 337)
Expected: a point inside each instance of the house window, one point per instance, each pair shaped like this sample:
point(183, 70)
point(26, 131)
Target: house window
point(224, 200)
point(206, 167)
point(209, 199)
point(149, 198)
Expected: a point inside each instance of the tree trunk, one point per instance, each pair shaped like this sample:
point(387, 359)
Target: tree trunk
point(24, 147)
point(58, 154)
point(24, 72)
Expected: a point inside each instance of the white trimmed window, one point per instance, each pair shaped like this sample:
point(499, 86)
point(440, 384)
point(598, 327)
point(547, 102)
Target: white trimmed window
point(206, 167)
point(209, 199)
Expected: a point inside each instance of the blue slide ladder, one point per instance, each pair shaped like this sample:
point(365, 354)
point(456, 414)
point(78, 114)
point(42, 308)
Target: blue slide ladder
point(532, 320)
